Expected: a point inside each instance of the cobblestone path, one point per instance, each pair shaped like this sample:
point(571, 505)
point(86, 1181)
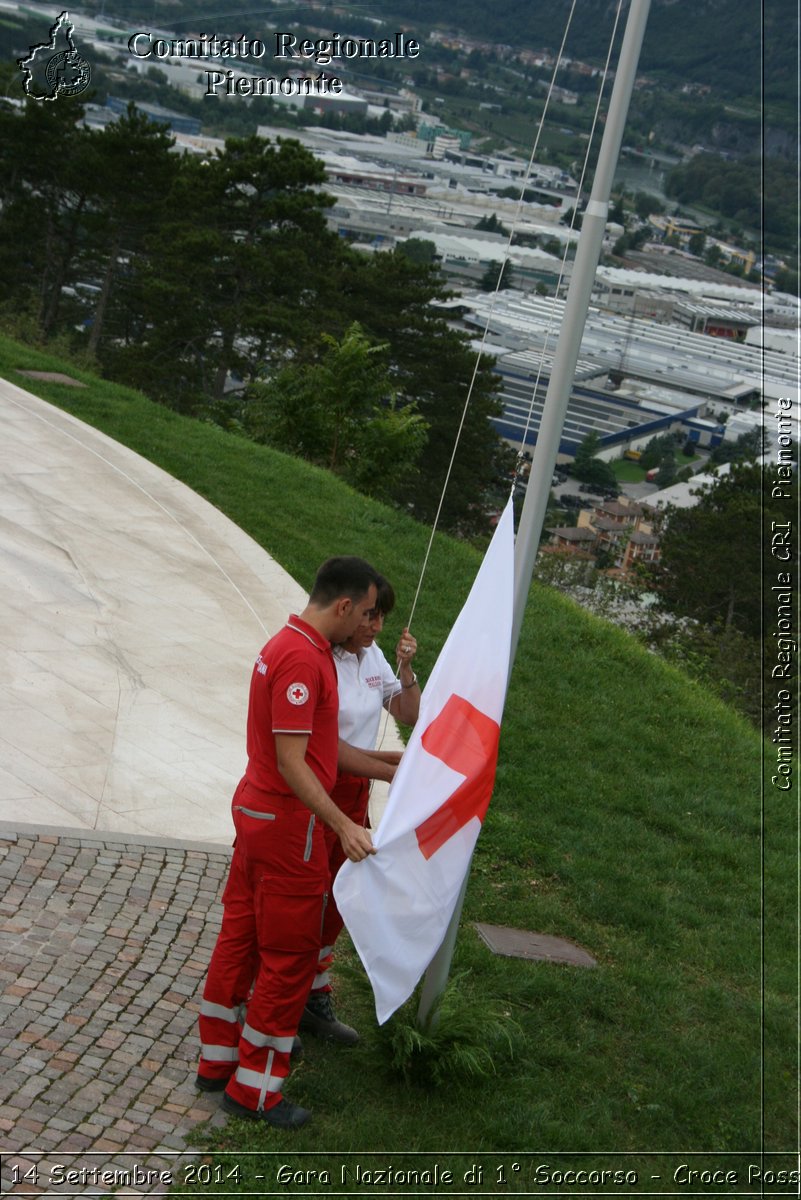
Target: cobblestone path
point(104, 943)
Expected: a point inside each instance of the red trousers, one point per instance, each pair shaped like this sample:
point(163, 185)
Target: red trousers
point(273, 903)
point(351, 793)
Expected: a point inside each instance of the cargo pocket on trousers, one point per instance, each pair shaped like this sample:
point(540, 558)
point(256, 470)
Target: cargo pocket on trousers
point(289, 913)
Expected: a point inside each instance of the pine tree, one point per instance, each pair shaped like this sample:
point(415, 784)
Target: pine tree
point(433, 364)
point(134, 169)
point(341, 413)
point(232, 276)
point(46, 188)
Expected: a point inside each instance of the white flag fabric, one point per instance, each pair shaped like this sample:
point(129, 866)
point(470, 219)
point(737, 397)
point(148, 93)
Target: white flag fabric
point(398, 902)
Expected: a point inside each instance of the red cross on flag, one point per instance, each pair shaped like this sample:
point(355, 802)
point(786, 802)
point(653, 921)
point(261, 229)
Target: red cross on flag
point(397, 903)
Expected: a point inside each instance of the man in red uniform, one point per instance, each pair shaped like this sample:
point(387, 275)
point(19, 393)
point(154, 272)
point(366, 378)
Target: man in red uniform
point(274, 898)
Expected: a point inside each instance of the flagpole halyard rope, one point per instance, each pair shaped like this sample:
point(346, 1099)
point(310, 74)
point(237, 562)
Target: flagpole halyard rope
point(549, 328)
point(560, 280)
point(436, 975)
point(559, 284)
point(515, 222)
point(480, 351)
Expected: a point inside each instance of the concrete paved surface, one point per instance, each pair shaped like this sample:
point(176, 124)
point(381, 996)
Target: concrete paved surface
point(131, 611)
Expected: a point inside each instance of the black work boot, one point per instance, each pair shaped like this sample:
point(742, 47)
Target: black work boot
point(283, 1115)
point(319, 1018)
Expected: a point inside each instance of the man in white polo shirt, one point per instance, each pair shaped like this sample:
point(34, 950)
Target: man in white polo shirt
point(367, 685)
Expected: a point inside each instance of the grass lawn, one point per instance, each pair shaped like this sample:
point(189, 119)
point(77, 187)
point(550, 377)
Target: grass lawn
point(628, 471)
point(628, 816)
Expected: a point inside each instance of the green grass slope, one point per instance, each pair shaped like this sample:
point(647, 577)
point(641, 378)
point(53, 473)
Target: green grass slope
point(628, 816)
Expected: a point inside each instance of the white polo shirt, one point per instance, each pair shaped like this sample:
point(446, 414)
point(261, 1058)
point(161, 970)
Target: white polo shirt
point(366, 683)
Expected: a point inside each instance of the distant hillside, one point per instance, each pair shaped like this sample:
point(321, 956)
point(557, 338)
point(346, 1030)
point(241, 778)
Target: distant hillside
point(746, 53)
point(710, 42)
point(704, 43)
point(697, 41)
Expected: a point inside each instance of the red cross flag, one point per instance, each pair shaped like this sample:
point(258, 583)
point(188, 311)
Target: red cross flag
point(397, 903)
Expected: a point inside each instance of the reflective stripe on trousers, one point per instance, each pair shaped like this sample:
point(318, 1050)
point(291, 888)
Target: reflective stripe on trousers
point(267, 949)
point(219, 1039)
point(322, 980)
point(276, 1068)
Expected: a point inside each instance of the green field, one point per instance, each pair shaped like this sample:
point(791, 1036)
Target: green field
point(628, 816)
point(629, 471)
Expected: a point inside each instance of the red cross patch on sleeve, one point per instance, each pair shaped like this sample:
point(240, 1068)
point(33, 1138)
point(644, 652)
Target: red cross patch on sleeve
point(297, 693)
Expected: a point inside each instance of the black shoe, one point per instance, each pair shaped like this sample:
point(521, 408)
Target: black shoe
point(205, 1084)
point(282, 1115)
point(319, 1017)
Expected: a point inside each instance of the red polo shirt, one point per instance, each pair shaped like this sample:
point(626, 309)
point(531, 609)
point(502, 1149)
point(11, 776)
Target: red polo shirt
point(293, 690)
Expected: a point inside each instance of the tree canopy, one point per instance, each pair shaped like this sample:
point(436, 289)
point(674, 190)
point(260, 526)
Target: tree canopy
point(736, 190)
point(342, 413)
point(216, 286)
point(711, 561)
point(715, 613)
point(589, 468)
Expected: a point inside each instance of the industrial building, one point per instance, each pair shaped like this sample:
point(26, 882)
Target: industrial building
point(634, 378)
point(660, 351)
point(175, 121)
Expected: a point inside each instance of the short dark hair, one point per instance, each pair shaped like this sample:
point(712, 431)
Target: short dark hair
point(385, 601)
point(344, 575)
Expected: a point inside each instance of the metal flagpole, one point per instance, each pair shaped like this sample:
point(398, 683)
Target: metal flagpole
point(575, 317)
point(559, 387)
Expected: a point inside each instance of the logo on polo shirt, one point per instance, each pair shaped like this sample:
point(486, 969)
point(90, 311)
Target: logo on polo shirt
point(297, 693)
point(373, 681)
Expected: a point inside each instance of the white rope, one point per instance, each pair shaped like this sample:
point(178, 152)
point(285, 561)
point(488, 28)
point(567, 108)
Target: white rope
point(512, 231)
point(488, 320)
point(552, 318)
